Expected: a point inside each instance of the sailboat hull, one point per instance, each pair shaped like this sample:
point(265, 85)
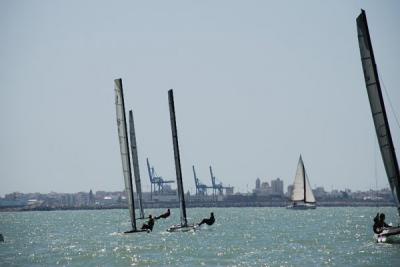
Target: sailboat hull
point(137, 231)
point(302, 206)
point(180, 228)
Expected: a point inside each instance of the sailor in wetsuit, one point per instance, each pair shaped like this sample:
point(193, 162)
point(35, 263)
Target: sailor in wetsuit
point(379, 223)
point(164, 215)
point(208, 221)
point(149, 225)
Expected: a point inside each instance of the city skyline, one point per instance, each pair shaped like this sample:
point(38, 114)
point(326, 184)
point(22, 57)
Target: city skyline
point(255, 86)
point(249, 190)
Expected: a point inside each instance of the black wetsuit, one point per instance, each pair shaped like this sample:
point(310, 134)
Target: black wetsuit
point(379, 226)
point(209, 221)
point(164, 215)
point(149, 225)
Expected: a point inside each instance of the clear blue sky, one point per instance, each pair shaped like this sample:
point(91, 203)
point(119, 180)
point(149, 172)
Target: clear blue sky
point(256, 83)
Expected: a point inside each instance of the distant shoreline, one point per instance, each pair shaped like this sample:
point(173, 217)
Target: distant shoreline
point(221, 204)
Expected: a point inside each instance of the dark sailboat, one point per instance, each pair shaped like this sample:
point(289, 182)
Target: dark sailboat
point(124, 149)
point(379, 115)
point(183, 226)
point(135, 163)
point(378, 107)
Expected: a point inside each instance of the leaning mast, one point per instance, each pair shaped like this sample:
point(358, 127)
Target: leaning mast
point(378, 107)
point(181, 194)
point(135, 163)
point(124, 148)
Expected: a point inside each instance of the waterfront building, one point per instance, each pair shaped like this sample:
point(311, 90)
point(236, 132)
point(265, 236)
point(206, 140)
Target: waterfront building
point(262, 189)
point(277, 187)
point(258, 183)
point(319, 192)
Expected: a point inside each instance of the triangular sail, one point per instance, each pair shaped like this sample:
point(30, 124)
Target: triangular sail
point(124, 147)
point(301, 187)
point(309, 193)
point(378, 107)
point(135, 163)
point(178, 169)
point(298, 184)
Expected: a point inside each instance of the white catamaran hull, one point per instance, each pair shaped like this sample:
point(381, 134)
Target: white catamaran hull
point(387, 235)
point(180, 228)
point(305, 206)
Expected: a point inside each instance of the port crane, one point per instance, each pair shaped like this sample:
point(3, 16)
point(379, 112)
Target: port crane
point(157, 182)
point(218, 186)
point(201, 189)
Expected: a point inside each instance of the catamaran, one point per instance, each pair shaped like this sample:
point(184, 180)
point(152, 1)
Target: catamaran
point(183, 226)
point(379, 115)
point(135, 163)
point(124, 148)
point(302, 196)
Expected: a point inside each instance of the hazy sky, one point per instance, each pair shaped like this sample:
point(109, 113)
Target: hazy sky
point(256, 83)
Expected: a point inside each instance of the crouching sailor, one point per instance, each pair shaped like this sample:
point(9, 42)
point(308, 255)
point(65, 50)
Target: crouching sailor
point(379, 223)
point(149, 225)
point(208, 221)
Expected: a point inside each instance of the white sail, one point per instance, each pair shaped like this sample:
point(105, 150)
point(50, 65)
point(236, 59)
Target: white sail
point(301, 187)
point(123, 143)
point(178, 169)
point(298, 184)
point(135, 163)
point(309, 193)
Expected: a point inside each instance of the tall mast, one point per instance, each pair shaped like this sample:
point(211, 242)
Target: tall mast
point(378, 107)
point(124, 148)
point(178, 169)
point(135, 163)
point(196, 183)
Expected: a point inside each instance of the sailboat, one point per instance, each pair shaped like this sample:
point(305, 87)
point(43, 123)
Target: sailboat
point(183, 226)
point(302, 196)
point(124, 148)
point(135, 163)
point(379, 112)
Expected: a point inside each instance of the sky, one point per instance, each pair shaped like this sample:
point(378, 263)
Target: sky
point(256, 84)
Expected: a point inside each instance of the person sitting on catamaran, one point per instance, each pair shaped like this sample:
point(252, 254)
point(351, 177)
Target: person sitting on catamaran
point(149, 225)
point(164, 215)
point(379, 223)
point(208, 221)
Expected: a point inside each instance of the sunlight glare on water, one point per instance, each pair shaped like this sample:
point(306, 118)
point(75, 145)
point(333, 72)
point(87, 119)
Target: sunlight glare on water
point(240, 237)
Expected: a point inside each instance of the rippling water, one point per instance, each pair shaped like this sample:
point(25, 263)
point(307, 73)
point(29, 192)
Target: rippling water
point(240, 237)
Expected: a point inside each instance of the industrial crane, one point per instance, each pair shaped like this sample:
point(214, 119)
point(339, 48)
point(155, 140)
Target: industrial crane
point(201, 189)
point(157, 182)
point(218, 186)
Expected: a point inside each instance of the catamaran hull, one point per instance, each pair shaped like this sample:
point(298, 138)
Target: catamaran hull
point(302, 207)
point(180, 228)
point(387, 235)
point(138, 231)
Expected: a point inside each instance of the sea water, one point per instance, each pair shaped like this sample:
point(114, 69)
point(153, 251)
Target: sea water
point(239, 237)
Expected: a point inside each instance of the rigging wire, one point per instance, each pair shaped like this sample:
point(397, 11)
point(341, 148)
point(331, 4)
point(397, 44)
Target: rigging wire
point(390, 102)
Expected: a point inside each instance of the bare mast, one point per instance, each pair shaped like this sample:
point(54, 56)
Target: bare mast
point(181, 194)
point(135, 163)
